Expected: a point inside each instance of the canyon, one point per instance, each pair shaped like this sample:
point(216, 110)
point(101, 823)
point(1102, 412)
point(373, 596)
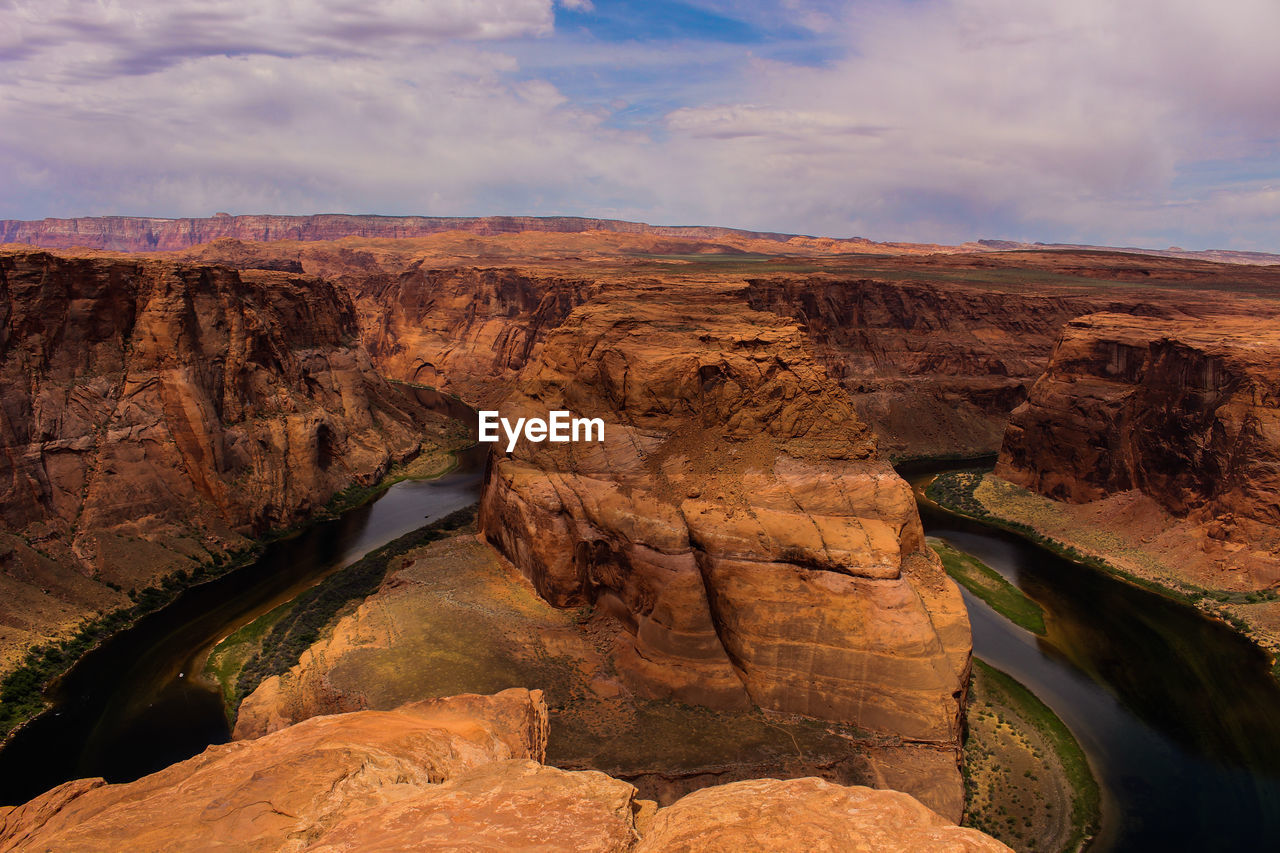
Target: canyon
point(739, 542)
point(1186, 412)
point(159, 416)
point(1157, 442)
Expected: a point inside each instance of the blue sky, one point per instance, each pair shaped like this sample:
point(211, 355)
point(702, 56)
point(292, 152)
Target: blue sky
point(1152, 122)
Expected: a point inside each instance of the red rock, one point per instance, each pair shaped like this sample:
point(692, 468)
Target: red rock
point(284, 790)
point(807, 815)
point(458, 774)
point(1184, 411)
point(155, 414)
point(736, 519)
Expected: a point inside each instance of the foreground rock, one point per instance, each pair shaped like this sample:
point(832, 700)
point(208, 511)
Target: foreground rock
point(736, 520)
point(454, 774)
point(1176, 426)
point(804, 814)
point(156, 415)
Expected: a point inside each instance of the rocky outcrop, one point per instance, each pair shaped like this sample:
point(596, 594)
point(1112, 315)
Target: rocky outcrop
point(154, 415)
point(464, 330)
point(283, 791)
point(736, 519)
point(805, 814)
point(1185, 412)
point(451, 774)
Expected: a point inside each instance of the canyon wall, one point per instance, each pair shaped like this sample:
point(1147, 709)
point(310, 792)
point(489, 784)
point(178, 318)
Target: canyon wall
point(464, 330)
point(1187, 412)
point(156, 414)
point(736, 519)
point(933, 369)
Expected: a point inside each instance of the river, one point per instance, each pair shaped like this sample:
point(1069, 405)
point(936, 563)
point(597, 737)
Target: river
point(1178, 714)
point(138, 703)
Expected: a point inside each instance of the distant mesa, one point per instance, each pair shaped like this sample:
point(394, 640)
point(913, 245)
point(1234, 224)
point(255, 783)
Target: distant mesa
point(158, 234)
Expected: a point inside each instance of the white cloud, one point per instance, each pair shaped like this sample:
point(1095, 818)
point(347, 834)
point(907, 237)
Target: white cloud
point(956, 118)
point(937, 120)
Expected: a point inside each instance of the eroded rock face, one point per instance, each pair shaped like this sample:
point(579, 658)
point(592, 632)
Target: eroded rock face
point(736, 519)
point(932, 368)
point(1187, 412)
point(155, 414)
point(466, 330)
point(463, 773)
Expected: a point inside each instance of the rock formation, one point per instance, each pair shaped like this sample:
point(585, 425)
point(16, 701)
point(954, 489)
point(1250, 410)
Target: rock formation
point(452, 774)
point(457, 618)
point(931, 368)
point(1186, 412)
point(464, 330)
point(156, 414)
point(804, 814)
point(736, 519)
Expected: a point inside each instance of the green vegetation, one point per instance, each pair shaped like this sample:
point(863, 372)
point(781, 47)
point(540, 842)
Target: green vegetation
point(990, 586)
point(1086, 798)
point(230, 655)
point(954, 491)
point(294, 631)
point(22, 691)
point(425, 466)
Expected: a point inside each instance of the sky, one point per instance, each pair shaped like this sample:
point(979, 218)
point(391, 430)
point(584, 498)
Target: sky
point(1141, 123)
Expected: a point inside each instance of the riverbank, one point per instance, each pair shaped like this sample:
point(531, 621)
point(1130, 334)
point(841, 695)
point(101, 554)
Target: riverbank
point(978, 494)
point(1027, 781)
point(273, 643)
point(24, 689)
point(989, 585)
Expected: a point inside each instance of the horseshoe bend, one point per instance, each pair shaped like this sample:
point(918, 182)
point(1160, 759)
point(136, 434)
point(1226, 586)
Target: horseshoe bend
point(250, 541)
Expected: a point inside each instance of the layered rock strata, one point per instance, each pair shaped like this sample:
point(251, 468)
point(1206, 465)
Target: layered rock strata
point(452, 774)
point(466, 330)
point(736, 519)
point(1187, 413)
point(932, 368)
point(154, 415)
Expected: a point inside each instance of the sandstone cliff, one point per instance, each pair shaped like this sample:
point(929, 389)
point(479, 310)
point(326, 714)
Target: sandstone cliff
point(156, 414)
point(736, 519)
point(932, 368)
point(464, 330)
point(453, 774)
point(454, 617)
point(1186, 412)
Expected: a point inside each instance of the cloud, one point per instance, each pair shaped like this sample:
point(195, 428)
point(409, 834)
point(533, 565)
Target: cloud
point(1152, 121)
point(87, 38)
point(971, 117)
